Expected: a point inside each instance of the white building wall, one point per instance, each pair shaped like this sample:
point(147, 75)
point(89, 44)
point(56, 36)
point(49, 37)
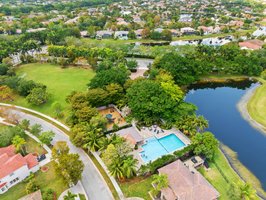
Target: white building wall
point(35, 169)
point(21, 174)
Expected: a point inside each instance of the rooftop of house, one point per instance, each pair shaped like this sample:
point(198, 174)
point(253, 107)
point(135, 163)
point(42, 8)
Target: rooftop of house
point(10, 162)
point(184, 184)
point(251, 44)
point(33, 196)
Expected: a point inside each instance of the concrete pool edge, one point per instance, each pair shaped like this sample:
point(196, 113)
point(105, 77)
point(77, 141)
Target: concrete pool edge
point(184, 144)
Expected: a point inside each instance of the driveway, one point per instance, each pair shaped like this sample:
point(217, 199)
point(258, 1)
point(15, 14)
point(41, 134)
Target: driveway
point(92, 181)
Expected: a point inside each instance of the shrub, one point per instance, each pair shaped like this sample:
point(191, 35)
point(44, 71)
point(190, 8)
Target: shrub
point(160, 162)
point(31, 186)
point(37, 96)
point(263, 74)
point(48, 194)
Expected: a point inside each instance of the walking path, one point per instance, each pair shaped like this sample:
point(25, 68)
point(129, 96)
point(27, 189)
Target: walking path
point(92, 181)
point(76, 189)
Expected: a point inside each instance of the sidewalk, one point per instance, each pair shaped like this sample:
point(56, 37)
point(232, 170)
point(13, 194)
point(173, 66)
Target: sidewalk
point(76, 189)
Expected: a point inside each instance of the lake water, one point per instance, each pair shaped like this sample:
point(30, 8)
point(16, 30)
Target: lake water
point(218, 104)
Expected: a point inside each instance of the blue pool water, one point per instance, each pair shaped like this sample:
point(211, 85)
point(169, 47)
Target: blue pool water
point(155, 148)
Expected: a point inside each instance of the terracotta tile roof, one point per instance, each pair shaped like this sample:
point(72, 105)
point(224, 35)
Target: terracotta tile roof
point(10, 150)
point(33, 196)
point(10, 162)
point(130, 138)
point(251, 44)
point(184, 184)
point(31, 160)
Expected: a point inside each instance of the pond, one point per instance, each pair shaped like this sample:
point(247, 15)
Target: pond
point(218, 104)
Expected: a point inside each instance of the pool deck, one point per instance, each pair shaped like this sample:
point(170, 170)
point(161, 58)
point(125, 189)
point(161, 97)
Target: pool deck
point(148, 132)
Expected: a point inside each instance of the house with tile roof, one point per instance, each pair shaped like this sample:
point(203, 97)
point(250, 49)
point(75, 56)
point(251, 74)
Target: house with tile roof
point(251, 44)
point(184, 184)
point(14, 167)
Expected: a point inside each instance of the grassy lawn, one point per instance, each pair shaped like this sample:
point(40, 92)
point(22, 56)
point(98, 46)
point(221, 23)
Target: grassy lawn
point(217, 78)
point(221, 180)
point(138, 187)
point(60, 83)
point(247, 175)
point(257, 104)
point(45, 180)
point(33, 147)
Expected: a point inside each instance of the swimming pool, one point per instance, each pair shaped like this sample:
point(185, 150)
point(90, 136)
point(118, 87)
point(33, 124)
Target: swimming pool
point(155, 148)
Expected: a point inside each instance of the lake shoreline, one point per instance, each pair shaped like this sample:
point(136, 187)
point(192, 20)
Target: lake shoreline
point(242, 108)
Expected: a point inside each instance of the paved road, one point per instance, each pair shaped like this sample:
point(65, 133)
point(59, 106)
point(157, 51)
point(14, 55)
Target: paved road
point(92, 181)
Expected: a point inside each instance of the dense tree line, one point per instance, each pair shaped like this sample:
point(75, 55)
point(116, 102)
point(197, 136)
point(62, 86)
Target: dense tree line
point(35, 93)
point(69, 6)
point(227, 59)
point(74, 52)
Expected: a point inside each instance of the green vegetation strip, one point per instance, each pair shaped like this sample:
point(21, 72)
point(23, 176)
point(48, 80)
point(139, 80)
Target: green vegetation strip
point(105, 176)
point(138, 187)
point(221, 179)
point(245, 174)
point(257, 104)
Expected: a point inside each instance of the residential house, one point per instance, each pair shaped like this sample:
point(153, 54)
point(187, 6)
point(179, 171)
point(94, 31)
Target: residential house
point(159, 30)
point(84, 34)
point(184, 184)
point(31, 30)
point(14, 167)
point(138, 33)
point(251, 44)
point(122, 35)
point(185, 18)
point(33, 196)
point(206, 30)
point(260, 31)
point(104, 34)
point(236, 23)
point(188, 31)
point(175, 33)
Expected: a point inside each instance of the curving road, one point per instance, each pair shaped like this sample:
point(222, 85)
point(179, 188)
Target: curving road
point(92, 181)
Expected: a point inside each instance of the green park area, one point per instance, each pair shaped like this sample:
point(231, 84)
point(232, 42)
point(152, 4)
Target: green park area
point(60, 82)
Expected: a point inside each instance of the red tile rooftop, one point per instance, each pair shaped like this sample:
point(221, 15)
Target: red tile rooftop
point(185, 185)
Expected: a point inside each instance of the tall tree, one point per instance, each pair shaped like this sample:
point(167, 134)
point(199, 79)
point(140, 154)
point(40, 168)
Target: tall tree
point(19, 143)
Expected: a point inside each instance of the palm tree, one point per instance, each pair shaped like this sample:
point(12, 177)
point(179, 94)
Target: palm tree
point(247, 192)
point(93, 139)
point(70, 196)
point(160, 181)
point(116, 169)
point(129, 166)
point(19, 143)
point(202, 123)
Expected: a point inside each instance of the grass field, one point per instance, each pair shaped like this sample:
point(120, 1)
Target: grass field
point(45, 180)
point(33, 147)
point(221, 175)
point(257, 104)
point(60, 83)
point(138, 187)
point(247, 175)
